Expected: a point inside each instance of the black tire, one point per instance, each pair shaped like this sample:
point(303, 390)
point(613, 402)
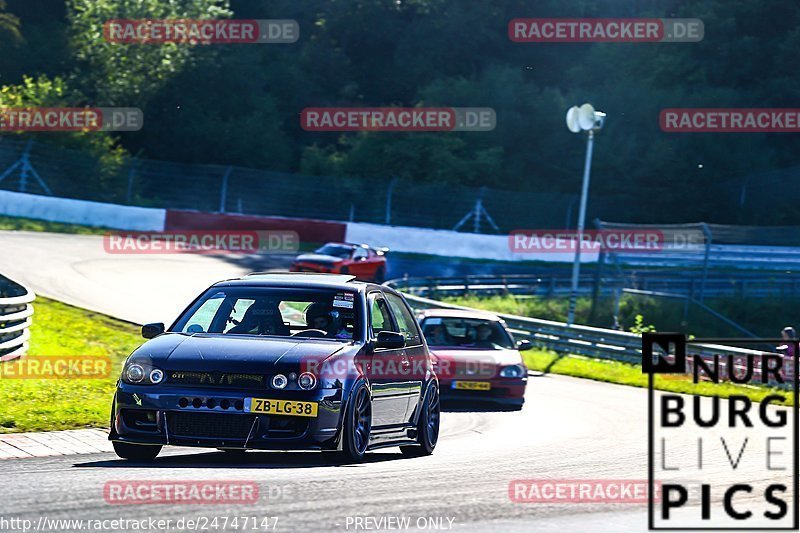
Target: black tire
point(380, 275)
point(357, 424)
point(136, 452)
point(427, 426)
point(344, 270)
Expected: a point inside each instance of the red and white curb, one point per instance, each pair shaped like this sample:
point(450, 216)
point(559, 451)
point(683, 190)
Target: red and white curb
point(69, 442)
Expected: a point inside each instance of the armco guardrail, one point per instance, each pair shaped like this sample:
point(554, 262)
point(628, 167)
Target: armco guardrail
point(16, 310)
point(589, 341)
point(743, 285)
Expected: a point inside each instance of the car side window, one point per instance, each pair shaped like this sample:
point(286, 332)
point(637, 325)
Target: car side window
point(359, 254)
point(202, 320)
point(405, 320)
point(380, 317)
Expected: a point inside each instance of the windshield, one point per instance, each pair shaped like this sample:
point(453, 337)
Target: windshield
point(314, 313)
point(466, 333)
point(336, 250)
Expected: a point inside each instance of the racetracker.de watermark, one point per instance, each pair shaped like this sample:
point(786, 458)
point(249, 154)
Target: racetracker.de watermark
point(605, 30)
point(578, 491)
point(57, 367)
point(125, 492)
point(400, 366)
point(606, 240)
point(398, 119)
point(19, 119)
point(132, 522)
point(202, 242)
point(201, 31)
point(719, 120)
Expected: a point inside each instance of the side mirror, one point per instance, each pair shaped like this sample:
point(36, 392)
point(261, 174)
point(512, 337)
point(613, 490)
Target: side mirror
point(152, 330)
point(523, 345)
point(390, 340)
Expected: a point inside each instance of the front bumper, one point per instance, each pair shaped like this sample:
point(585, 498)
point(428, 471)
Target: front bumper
point(508, 391)
point(196, 416)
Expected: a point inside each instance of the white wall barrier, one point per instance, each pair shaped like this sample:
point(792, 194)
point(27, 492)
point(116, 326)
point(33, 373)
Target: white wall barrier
point(450, 243)
point(83, 212)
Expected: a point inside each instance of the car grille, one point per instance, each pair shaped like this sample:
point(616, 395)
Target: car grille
point(217, 379)
point(208, 425)
point(466, 371)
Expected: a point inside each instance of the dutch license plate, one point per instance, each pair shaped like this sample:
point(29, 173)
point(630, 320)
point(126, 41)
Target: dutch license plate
point(472, 385)
point(280, 407)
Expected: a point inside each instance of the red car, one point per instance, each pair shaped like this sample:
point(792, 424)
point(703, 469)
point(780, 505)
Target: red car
point(475, 356)
point(360, 260)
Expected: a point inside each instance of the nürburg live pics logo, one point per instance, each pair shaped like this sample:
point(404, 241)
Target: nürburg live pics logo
point(722, 452)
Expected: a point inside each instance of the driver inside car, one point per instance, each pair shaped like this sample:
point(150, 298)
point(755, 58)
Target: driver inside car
point(318, 317)
point(321, 316)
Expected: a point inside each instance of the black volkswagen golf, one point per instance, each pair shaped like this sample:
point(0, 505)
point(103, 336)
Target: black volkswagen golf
point(281, 362)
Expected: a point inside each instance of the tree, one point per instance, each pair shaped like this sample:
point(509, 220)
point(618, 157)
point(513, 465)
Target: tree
point(128, 75)
point(9, 23)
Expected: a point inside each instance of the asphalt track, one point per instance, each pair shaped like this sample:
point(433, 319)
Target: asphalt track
point(153, 288)
point(568, 429)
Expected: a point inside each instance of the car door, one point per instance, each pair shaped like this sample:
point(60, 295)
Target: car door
point(390, 387)
point(414, 350)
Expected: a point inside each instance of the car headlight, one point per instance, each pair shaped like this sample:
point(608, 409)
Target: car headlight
point(279, 381)
point(135, 373)
point(515, 371)
point(142, 374)
point(156, 376)
point(307, 380)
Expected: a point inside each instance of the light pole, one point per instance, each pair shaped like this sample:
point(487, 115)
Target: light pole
point(583, 118)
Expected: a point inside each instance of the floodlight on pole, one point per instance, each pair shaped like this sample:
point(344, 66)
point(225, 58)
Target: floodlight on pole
point(583, 118)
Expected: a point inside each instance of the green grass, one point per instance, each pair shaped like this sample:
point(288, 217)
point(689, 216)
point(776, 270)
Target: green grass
point(631, 375)
point(63, 330)
point(30, 224)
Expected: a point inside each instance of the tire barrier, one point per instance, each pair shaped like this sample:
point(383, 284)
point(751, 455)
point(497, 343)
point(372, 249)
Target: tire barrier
point(16, 310)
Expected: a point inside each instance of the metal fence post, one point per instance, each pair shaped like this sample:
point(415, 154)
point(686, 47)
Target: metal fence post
point(707, 233)
point(598, 276)
point(223, 197)
point(131, 173)
point(617, 295)
point(389, 193)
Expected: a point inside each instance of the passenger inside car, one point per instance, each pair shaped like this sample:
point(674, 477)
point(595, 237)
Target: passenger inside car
point(263, 317)
point(485, 336)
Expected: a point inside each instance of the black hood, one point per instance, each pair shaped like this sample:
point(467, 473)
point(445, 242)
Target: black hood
point(235, 353)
